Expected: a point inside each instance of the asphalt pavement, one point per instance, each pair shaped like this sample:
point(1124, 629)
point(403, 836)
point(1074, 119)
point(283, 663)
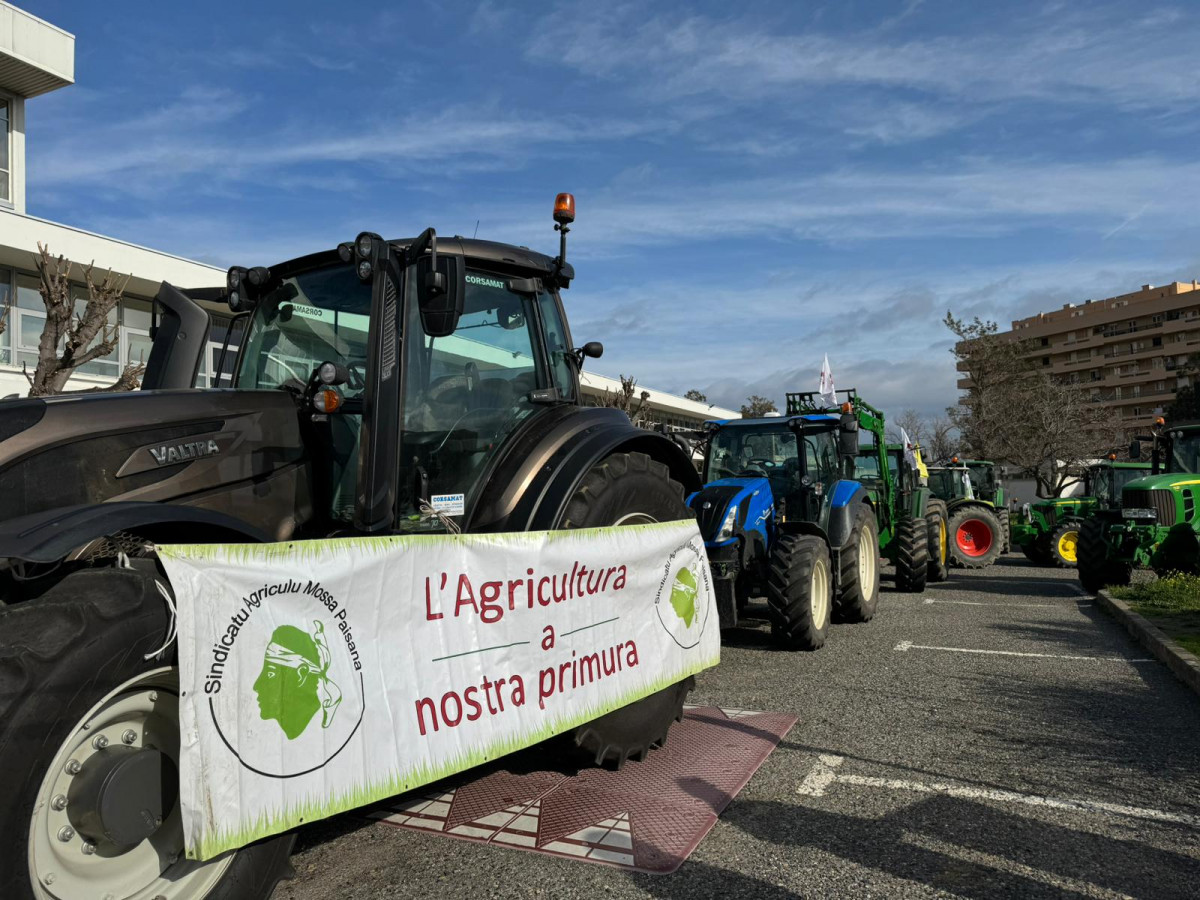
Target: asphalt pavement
point(996, 736)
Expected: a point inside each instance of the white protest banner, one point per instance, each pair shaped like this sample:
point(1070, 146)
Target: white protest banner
point(317, 676)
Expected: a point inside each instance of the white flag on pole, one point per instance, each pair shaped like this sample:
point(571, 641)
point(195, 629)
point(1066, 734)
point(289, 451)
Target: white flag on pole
point(825, 388)
point(909, 451)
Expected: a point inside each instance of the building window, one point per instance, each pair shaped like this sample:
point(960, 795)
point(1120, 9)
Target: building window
point(5, 150)
point(1045, 360)
point(1045, 342)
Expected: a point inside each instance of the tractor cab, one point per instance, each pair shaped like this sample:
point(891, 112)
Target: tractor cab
point(1158, 523)
point(772, 485)
point(978, 530)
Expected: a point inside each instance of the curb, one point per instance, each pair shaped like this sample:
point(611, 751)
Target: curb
point(1185, 665)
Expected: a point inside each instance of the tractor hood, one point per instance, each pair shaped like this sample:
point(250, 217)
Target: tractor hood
point(712, 503)
point(1169, 481)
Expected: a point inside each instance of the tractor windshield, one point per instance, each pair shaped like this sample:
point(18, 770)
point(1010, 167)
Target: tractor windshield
point(766, 451)
point(1185, 451)
point(466, 392)
point(1107, 482)
point(316, 316)
point(950, 484)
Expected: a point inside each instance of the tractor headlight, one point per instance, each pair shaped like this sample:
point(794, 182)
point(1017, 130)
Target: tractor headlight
point(729, 524)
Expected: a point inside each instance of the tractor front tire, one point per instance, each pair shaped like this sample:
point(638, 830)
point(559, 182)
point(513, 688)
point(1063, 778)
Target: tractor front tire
point(858, 582)
point(629, 489)
point(72, 670)
point(974, 537)
point(912, 554)
point(937, 541)
point(800, 591)
point(1064, 545)
point(1096, 570)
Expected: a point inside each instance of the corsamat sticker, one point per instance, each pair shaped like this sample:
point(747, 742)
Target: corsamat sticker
point(317, 676)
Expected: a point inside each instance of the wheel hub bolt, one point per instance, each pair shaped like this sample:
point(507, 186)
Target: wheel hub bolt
point(99, 742)
point(73, 767)
point(88, 848)
point(66, 833)
point(129, 736)
point(59, 802)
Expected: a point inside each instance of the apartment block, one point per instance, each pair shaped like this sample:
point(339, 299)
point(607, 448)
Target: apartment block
point(1132, 349)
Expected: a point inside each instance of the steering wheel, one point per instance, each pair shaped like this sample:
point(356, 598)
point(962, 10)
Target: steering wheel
point(761, 462)
point(358, 375)
point(751, 472)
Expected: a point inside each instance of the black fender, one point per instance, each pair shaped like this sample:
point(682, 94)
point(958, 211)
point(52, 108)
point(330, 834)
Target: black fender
point(841, 517)
point(529, 484)
point(49, 536)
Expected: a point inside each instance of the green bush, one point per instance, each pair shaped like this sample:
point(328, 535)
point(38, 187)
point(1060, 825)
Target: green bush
point(1177, 591)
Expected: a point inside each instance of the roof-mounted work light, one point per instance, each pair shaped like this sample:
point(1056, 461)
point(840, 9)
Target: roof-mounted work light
point(365, 246)
point(236, 284)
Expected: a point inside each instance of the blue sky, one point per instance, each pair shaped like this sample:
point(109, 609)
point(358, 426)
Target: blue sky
point(758, 184)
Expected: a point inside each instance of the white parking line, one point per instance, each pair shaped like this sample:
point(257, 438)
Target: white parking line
point(929, 600)
point(905, 646)
point(824, 775)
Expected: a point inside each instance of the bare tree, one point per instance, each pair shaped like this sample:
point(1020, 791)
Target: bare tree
point(935, 436)
point(1016, 412)
point(625, 400)
point(71, 339)
point(756, 406)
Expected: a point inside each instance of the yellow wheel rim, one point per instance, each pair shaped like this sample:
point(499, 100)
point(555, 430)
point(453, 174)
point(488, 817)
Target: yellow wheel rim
point(1066, 545)
point(942, 542)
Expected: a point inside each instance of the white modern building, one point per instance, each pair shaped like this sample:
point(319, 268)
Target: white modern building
point(36, 58)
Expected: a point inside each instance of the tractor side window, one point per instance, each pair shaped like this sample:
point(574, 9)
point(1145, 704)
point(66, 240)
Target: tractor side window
point(558, 347)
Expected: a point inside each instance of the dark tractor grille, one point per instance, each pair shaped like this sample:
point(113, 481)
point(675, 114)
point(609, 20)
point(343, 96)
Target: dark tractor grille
point(718, 498)
point(1052, 515)
point(1161, 501)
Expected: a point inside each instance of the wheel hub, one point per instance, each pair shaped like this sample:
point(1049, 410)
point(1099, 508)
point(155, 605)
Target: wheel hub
point(122, 795)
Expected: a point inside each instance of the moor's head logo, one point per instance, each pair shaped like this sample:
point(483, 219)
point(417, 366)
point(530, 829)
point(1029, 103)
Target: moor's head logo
point(294, 683)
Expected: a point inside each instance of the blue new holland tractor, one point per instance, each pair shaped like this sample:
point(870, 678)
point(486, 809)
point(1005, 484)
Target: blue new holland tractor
point(782, 517)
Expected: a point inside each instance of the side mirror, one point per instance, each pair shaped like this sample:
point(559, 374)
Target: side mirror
point(440, 294)
point(590, 350)
point(848, 443)
point(1135, 450)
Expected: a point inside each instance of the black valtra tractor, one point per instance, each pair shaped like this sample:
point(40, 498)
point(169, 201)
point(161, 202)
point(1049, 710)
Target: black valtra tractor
point(368, 379)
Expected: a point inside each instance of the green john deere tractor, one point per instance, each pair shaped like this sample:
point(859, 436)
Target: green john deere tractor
point(908, 486)
point(1048, 531)
point(987, 486)
point(1158, 523)
point(975, 532)
point(901, 504)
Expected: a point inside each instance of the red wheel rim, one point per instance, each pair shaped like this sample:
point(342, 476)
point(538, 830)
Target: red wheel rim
point(974, 537)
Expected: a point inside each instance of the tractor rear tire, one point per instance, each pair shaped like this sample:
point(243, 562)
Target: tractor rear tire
point(61, 660)
point(1064, 545)
point(800, 591)
point(1096, 570)
point(1005, 532)
point(974, 537)
point(912, 554)
point(937, 541)
point(858, 582)
point(629, 489)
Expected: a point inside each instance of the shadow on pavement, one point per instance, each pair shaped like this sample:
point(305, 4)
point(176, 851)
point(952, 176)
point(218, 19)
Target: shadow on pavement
point(972, 849)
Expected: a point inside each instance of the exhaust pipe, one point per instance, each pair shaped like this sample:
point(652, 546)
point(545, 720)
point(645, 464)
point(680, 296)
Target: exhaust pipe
point(178, 341)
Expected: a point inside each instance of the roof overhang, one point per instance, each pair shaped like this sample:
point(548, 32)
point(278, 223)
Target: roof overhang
point(35, 56)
